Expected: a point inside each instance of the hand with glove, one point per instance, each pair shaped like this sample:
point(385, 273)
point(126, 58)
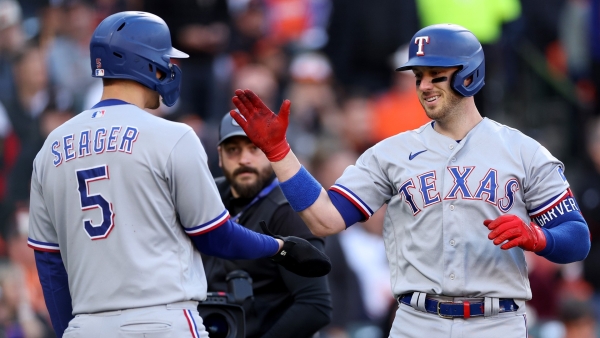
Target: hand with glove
point(265, 129)
point(299, 256)
point(511, 228)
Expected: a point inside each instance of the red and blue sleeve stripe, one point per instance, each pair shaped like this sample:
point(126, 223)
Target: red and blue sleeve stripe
point(208, 226)
point(42, 246)
point(551, 203)
point(354, 199)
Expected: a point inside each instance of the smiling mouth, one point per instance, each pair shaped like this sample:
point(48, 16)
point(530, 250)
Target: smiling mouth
point(432, 98)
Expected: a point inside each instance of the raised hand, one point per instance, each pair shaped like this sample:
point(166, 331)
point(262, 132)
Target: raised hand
point(511, 228)
point(264, 128)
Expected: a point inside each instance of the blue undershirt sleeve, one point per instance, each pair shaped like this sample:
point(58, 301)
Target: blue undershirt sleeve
point(55, 285)
point(233, 241)
point(567, 239)
point(350, 213)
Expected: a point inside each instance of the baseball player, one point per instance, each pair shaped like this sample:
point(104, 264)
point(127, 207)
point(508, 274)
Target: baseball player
point(121, 200)
point(466, 197)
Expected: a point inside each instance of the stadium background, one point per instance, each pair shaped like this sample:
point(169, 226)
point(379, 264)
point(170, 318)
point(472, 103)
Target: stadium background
point(334, 59)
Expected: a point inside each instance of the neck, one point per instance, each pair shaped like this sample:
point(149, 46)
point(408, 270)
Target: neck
point(460, 121)
point(128, 91)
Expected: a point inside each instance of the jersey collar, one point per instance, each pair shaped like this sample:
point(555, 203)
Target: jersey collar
point(109, 102)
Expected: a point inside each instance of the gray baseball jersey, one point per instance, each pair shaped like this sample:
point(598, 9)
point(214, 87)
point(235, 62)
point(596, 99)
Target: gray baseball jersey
point(115, 190)
point(439, 192)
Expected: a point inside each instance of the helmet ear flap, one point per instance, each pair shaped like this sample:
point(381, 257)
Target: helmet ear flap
point(169, 87)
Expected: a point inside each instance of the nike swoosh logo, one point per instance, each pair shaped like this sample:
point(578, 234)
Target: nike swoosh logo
point(411, 155)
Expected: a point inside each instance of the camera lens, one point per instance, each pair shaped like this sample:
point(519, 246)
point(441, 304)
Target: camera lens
point(216, 325)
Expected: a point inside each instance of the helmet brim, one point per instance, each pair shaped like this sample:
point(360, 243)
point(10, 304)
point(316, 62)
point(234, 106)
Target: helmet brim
point(430, 61)
point(176, 54)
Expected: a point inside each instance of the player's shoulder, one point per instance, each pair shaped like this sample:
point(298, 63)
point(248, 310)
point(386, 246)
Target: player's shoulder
point(506, 133)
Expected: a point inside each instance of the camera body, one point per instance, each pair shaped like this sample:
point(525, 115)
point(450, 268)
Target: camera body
point(223, 312)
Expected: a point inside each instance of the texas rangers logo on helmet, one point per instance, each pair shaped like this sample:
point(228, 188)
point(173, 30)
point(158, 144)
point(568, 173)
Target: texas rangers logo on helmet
point(421, 41)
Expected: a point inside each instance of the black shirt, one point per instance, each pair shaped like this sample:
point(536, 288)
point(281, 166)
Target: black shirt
point(285, 304)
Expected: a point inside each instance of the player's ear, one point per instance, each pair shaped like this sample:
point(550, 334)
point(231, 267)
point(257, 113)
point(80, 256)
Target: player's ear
point(468, 81)
point(220, 156)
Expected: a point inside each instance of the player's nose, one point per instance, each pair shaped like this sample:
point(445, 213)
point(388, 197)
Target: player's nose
point(424, 83)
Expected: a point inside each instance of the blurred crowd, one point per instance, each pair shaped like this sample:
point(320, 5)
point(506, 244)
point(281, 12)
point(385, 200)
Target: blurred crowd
point(335, 60)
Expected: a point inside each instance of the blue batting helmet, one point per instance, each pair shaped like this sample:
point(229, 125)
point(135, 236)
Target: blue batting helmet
point(133, 46)
point(449, 45)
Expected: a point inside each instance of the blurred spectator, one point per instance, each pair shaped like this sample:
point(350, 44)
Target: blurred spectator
point(315, 101)
point(12, 40)
point(594, 36)
point(357, 126)
point(259, 79)
point(587, 192)
point(545, 281)
point(362, 37)
point(23, 312)
point(577, 316)
point(69, 55)
point(105, 8)
point(399, 108)
point(201, 29)
point(9, 149)
point(574, 22)
point(33, 96)
point(17, 319)
point(540, 18)
point(50, 23)
point(21, 255)
point(299, 24)
point(248, 26)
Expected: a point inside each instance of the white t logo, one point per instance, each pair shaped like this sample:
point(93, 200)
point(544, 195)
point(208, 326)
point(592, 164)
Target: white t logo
point(420, 41)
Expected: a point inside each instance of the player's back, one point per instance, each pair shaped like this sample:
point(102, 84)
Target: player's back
point(107, 184)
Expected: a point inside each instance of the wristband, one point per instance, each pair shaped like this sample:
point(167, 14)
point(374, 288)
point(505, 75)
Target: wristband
point(302, 190)
point(279, 151)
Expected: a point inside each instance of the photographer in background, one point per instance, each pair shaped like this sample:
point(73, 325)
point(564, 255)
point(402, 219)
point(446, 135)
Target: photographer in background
point(285, 304)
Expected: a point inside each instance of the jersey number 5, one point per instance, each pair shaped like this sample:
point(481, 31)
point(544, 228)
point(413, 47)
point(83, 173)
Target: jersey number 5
point(88, 202)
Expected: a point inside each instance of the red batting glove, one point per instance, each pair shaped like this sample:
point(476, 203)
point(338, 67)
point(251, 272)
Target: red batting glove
point(265, 129)
point(511, 228)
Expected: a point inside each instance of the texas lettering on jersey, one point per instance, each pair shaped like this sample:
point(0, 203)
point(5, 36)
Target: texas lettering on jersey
point(487, 189)
point(88, 142)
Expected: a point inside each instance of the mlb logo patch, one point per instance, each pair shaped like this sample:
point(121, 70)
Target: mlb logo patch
point(99, 72)
point(97, 114)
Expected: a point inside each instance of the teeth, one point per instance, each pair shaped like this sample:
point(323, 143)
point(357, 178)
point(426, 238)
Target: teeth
point(431, 99)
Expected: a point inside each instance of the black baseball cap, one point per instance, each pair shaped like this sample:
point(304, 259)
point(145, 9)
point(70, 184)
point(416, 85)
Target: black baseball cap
point(229, 128)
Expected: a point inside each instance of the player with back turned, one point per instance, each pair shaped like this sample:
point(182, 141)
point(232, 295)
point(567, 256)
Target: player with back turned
point(122, 202)
point(466, 197)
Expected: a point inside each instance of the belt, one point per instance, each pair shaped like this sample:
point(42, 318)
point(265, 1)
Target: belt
point(459, 310)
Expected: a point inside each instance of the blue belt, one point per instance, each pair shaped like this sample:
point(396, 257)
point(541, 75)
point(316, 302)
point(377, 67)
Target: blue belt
point(459, 310)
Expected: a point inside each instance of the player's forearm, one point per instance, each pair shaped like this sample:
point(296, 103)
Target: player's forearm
point(55, 286)
point(287, 167)
point(321, 217)
point(568, 242)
